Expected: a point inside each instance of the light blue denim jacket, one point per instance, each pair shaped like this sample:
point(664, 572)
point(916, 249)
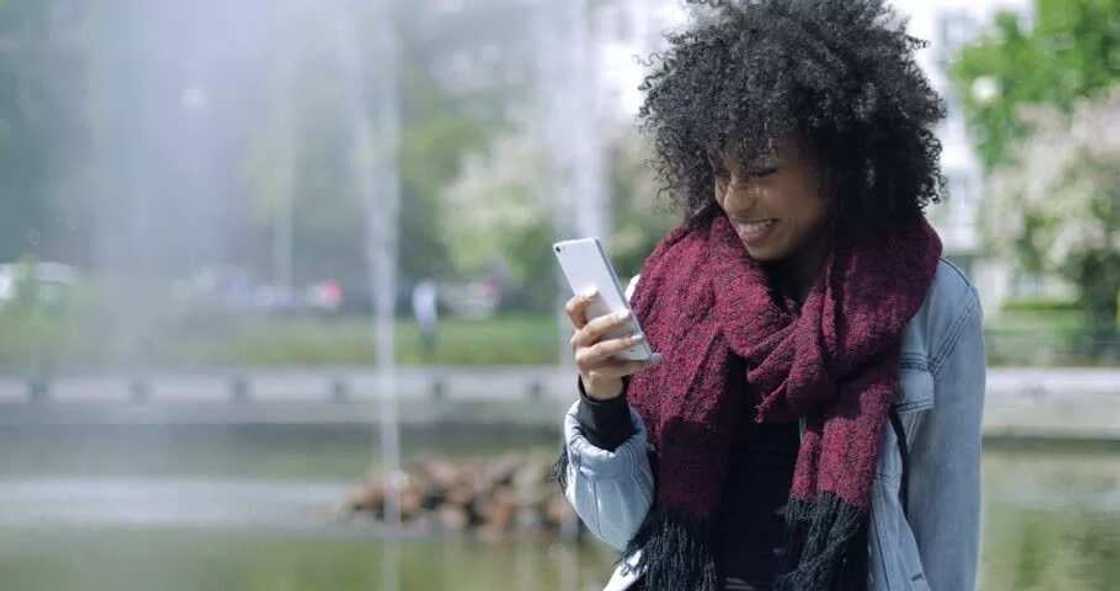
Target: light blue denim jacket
point(942, 377)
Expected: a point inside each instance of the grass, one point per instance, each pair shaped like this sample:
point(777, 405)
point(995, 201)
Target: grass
point(505, 340)
point(515, 339)
point(81, 338)
point(1042, 337)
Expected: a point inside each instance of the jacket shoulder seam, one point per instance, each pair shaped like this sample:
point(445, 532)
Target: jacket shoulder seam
point(953, 334)
point(957, 270)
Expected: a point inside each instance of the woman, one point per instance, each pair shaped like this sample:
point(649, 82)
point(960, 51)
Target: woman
point(812, 420)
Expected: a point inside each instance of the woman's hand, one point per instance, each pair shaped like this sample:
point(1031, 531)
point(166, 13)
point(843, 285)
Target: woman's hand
point(599, 371)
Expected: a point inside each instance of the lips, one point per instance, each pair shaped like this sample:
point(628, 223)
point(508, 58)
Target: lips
point(754, 231)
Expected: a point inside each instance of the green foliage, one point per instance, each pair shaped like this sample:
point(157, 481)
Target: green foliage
point(73, 337)
point(1072, 52)
point(1038, 101)
point(1037, 333)
point(1033, 305)
point(1055, 203)
point(495, 220)
point(640, 220)
point(37, 334)
point(303, 148)
point(437, 135)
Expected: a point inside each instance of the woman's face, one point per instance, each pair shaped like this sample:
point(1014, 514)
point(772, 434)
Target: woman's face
point(775, 203)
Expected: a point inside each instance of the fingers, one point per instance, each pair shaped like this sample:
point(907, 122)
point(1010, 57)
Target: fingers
point(577, 305)
point(623, 369)
point(595, 356)
point(595, 329)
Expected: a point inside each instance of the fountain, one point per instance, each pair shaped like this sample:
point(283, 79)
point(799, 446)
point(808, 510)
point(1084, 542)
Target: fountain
point(375, 161)
point(573, 184)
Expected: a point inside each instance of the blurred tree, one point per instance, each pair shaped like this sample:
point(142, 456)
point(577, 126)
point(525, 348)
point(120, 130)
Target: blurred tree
point(494, 219)
point(494, 215)
point(42, 128)
point(437, 134)
point(464, 70)
point(460, 73)
point(1055, 203)
point(298, 167)
point(1073, 51)
point(640, 219)
point(23, 149)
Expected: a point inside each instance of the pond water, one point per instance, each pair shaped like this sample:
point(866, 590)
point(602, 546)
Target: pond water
point(133, 508)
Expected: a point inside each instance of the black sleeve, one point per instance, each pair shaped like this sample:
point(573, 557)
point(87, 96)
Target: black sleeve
point(605, 423)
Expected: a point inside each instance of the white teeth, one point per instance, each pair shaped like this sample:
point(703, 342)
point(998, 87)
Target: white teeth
point(754, 230)
point(756, 226)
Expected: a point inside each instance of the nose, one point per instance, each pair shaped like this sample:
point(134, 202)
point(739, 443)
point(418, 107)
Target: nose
point(739, 195)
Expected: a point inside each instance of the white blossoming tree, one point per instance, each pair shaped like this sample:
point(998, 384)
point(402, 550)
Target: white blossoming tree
point(1055, 205)
point(493, 216)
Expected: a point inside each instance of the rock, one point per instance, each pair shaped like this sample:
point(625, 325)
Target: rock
point(558, 511)
point(369, 497)
point(495, 496)
point(453, 518)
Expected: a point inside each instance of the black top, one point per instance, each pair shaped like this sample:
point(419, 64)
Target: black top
point(755, 495)
point(605, 423)
point(757, 488)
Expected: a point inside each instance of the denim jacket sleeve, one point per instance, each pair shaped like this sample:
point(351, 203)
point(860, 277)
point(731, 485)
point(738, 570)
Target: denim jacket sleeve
point(611, 491)
point(944, 488)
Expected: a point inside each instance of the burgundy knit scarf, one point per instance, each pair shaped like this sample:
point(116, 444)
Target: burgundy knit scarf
point(708, 308)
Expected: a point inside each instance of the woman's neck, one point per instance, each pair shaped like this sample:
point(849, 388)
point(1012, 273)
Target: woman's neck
point(797, 274)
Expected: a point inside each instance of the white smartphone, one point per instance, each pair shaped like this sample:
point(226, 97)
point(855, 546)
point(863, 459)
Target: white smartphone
point(586, 265)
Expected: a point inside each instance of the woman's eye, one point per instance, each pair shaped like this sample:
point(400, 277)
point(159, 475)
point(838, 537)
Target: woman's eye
point(761, 172)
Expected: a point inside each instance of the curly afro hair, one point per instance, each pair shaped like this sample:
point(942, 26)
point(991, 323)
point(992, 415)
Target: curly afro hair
point(841, 73)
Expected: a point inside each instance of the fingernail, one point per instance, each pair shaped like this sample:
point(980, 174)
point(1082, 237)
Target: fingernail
point(590, 292)
point(623, 315)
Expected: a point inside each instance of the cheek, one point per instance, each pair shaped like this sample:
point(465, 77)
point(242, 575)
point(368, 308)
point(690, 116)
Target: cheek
point(803, 198)
point(803, 210)
point(811, 220)
point(719, 192)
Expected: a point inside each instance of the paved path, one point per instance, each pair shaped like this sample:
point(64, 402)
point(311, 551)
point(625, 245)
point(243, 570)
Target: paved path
point(1048, 403)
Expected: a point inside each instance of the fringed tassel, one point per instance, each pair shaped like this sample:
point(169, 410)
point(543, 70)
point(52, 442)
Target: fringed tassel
point(826, 546)
point(560, 469)
point(677, 553)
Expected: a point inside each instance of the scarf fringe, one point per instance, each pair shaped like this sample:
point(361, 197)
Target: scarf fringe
point(560, 469)
point(826, 546)
point(676, 549)
point(677, 552)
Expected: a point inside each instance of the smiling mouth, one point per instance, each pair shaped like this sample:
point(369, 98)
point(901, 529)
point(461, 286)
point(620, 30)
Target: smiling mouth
point(754, 231)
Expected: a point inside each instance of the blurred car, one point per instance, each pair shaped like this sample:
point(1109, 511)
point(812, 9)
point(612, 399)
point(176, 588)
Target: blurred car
point(233, 289)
